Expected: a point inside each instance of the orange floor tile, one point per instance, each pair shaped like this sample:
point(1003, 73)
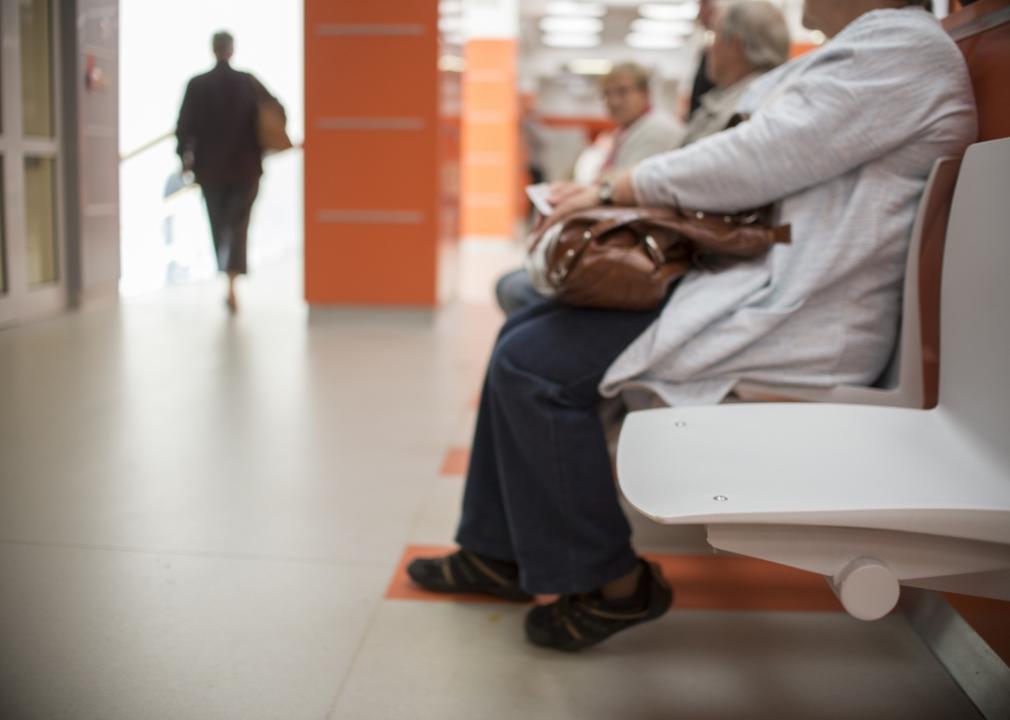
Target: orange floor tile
point(700, 582)
point(730, 582)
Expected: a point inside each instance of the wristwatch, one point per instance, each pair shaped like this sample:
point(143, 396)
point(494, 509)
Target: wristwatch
point(605, 192)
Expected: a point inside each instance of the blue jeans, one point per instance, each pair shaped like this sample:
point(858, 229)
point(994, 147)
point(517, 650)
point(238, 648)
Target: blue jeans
point(514, 291)
point(539, 490)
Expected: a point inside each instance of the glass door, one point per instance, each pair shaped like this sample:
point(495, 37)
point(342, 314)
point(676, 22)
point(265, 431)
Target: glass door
point(32, 255)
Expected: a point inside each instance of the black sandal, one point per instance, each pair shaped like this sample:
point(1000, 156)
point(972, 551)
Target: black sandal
point(575, 622)
point(466, 572)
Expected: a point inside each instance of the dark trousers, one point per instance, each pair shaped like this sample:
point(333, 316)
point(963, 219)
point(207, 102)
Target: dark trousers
point(229, 206)
point(539, 489)
point(514, 291)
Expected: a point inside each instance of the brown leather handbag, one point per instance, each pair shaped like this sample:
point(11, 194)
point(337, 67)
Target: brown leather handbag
point(270, 126)
point(626, 258)
point(271, 121)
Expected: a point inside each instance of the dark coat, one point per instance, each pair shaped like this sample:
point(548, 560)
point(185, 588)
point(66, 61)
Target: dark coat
point(217, 125)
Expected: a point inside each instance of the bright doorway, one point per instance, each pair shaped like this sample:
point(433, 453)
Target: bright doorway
point(164, 232)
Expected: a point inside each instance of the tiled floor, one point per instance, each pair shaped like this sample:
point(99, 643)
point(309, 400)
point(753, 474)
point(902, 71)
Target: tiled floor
point(200, 518)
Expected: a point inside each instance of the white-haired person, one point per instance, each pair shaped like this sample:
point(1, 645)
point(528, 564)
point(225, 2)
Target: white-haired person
point(750, 39)
point(841, 140)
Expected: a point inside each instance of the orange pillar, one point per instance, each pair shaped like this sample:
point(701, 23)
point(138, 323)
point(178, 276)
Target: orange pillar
point(374, 143)
point(490, 138)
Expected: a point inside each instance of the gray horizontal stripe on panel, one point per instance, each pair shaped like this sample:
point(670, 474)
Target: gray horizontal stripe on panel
point(370, 217)
point(358, 30)
point(370, 123)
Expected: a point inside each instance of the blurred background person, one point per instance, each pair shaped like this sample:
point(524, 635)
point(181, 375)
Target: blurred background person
point(535, 136)
point(702, 82)
point(641, 132)
point(751, 38)
point(218, 141)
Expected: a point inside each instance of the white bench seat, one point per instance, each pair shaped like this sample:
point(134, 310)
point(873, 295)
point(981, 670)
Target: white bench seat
point(813, 464)
point(870, 496)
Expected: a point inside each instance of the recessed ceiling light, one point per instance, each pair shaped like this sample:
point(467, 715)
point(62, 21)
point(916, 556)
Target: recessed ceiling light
point(451, 63)
point(570, 7)
point(450, 24)
point(590, 66)
point(662, 27)
point(564, 25)
point(678, 11)
point(653, 42)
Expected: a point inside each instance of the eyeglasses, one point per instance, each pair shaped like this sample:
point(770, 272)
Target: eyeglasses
point(618, 91)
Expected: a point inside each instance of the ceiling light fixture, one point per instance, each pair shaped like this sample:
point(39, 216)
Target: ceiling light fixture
point(679, 11)
point(566, 25)
point(653, 42)
point(450, 24)
point(569, 7)
point(677, 28)
point(451, 63)
point(590, 66)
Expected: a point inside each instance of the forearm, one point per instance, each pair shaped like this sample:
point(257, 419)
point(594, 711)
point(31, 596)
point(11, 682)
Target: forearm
point(624, 190)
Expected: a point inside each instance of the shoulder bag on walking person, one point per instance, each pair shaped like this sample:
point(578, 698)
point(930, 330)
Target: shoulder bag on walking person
point(271, 121)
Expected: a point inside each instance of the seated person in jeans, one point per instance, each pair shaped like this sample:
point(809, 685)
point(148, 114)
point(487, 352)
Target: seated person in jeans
point(751, 38)
point(842, 139)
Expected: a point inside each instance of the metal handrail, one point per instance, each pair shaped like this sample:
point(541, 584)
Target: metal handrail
point(147, 146)
point(168, 136)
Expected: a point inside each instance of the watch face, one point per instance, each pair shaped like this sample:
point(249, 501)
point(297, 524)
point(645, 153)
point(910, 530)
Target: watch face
point(605, 193)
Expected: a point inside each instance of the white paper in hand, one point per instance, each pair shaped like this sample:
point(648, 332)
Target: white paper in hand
point(538, 196)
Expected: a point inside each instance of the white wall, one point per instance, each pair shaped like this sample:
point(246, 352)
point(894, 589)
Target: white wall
point(163, 44)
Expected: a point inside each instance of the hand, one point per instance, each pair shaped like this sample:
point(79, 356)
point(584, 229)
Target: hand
point(574, 198)
point(561, 191)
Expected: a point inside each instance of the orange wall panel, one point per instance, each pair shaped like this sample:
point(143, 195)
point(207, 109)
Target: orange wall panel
point(373, 170)
point(391, 83)
point(490, 138)
point(353, 246)
point(374, 195)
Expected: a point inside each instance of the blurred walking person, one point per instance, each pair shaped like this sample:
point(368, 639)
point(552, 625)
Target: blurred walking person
point(218, 140)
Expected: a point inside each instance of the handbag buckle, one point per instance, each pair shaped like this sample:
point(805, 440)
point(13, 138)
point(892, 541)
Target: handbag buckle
point(655, 252)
